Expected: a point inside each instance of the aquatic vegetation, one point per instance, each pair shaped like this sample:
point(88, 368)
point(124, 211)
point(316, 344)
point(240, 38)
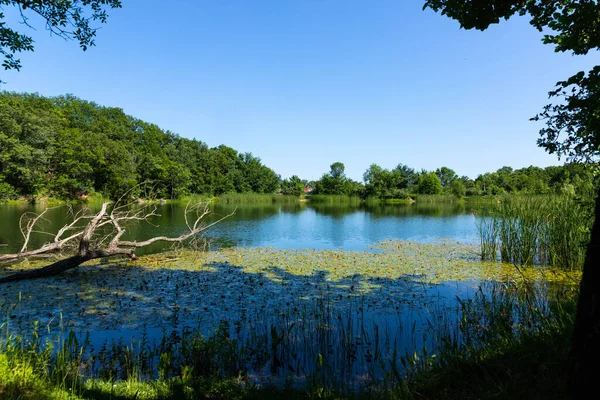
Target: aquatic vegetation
point(255, 198)
point(334, 199)
point(536, 230)
point(330, 321)
point(215, 285)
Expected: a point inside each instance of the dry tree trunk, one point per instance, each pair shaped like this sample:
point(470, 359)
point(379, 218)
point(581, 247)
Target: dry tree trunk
point(88, 238)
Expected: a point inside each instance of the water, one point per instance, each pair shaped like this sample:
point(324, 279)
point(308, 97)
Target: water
point(293, 226)
point(89, 297)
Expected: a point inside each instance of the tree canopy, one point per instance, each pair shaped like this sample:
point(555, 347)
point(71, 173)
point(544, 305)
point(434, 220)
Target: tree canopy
point(67, 147)
point(68, 19)
point(572, 129)
point(572, 123)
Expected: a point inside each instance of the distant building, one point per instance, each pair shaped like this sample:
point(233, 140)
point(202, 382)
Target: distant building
point(308, 190)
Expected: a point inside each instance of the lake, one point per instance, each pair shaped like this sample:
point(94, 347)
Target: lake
point(295, 226)
point(310, 267)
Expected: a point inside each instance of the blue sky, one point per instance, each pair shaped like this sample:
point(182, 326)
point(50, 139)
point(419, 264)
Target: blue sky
point(302, 84)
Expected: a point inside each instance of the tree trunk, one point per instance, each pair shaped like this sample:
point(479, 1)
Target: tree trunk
point(65, 265)
point(584, 363)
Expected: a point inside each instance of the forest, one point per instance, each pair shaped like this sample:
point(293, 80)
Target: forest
point(67, 148)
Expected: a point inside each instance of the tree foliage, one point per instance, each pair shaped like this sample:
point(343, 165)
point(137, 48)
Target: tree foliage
point(68, 19)
point(429, 184)
point(573, 123)
point(573, 179)
point(572, 129)
point(292, 186)
point(446, 175)
point(385, 184)
point(66, 147)
point(337, 183)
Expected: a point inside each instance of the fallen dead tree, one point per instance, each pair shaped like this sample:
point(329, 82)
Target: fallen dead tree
point(91, 235)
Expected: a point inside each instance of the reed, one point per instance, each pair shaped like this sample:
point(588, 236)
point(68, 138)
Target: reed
point(314, 352)
point(437, 198)
point(536, 230)
point(509, 342)
point(334, 199)
point(253, 198)
point(374, 201)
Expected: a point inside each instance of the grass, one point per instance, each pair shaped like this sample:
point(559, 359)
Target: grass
point(437, 198)
point(252, 198)
point(374, 201)
point(334, 199)
point(532, 230)
point(504, 348)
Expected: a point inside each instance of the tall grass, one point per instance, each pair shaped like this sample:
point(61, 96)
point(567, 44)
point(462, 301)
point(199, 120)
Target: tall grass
point(547, 230)
point(334, 199)
point(508, 342)
point(374, 201)
point(254, 198)
point(437, 198)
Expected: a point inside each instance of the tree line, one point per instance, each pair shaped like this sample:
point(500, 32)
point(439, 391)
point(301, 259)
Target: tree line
point(402, 182)
point(69, 148)
point(66, 147)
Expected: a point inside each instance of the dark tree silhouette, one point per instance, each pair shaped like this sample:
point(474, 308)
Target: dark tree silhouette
point(572, 129)
point(68, 19)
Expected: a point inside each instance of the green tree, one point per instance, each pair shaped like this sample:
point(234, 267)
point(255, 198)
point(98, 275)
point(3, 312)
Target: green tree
point(68, 19)
point(386, 184)
point(446, 175)
point(429, 184)
point(572, 129)
point(292, 186)
point(334, 182)
point(406, 177)
point(68, 147)
point(337, 170)
point(458, 188)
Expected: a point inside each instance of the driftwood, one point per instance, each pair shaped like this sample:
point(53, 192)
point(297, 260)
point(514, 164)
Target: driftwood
point(96, 235)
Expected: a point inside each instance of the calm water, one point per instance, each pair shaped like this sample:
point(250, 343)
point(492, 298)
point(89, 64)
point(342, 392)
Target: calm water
point(294, 226)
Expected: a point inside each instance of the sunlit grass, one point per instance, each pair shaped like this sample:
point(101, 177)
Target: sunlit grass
point(253, 198)
point(334, 199)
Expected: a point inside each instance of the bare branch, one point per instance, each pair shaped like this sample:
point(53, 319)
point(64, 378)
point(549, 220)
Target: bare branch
point(89, 230)
point(91, 240)
point(30, 225)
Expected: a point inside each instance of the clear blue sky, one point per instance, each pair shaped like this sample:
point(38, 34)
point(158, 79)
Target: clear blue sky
point(302, 84)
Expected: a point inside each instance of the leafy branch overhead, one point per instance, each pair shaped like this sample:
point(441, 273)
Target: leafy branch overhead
point(572, 125)
point(574, 24)
point(572, 129)
point(68, 19)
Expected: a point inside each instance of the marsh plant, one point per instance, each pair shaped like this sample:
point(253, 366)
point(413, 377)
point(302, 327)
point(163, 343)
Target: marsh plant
point(536, 230)
point(312, 349)
point(330, 199)
point(255, 198)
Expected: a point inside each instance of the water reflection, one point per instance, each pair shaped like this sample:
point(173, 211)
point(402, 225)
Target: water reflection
point(299, 225)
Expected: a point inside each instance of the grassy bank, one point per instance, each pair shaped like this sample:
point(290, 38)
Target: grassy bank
point(252, 198)
point(95, 198)
point(326, 199)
